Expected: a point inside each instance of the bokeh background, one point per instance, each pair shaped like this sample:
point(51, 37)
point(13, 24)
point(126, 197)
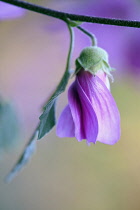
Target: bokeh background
point(65, 174)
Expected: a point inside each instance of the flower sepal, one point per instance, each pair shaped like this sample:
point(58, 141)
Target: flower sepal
point(93, 59)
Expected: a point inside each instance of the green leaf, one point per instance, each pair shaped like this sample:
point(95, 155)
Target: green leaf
point(24, 158)
point(47, 119)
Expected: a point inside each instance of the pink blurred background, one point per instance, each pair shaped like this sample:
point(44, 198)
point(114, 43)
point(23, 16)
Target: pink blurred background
point(66, 174)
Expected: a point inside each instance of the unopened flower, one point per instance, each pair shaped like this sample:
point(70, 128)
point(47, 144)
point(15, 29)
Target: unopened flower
point(91, 113)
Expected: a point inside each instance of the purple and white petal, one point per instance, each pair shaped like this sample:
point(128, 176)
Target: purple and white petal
point(76, 111)
point(104, 106)
point(65, 125)
point(103, 76)
point(84, 117)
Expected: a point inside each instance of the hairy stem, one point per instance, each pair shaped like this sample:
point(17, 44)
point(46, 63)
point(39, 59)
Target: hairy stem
point(91, 36)
point(64, 16)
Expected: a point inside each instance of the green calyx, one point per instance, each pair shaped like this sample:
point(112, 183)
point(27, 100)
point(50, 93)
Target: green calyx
point(93, 59)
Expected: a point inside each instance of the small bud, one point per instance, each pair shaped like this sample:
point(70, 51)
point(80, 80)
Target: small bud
point(93, 59)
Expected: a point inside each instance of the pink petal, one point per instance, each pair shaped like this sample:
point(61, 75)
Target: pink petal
point(65, 125)
point(84, 117)
point(104, 106)
point(103, 76)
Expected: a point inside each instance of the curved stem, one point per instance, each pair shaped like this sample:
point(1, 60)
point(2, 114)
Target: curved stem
point(92, 36)
point(64, 16)
point(71, 32)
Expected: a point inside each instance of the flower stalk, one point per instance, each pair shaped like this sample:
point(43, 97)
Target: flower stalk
point(90, 35)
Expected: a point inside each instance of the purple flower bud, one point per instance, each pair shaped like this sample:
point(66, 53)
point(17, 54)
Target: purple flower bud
point(8, 11)
point(91, 113)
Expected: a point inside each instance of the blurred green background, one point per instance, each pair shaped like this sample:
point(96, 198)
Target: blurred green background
point(65, 174)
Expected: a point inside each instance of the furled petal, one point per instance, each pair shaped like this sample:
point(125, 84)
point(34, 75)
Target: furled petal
point(65, 125)
point(84, 117)
point(103, 76)
point(104, 106)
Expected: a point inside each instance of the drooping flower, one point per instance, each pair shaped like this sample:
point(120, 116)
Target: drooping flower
point(91, 113)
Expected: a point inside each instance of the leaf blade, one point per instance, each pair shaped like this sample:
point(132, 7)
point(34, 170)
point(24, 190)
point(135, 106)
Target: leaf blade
point(24, 158)
point(47, 119)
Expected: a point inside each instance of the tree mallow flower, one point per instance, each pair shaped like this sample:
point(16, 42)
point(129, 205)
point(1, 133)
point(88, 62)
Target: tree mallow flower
point(91, 113)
